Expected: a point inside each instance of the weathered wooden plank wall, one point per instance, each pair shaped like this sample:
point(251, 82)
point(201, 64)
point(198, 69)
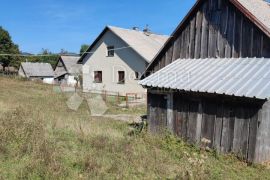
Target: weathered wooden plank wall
point(231, 126)
point(217, 29)
point(157, 105)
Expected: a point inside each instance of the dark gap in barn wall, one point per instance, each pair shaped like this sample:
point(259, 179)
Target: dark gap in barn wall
point(246, 43)
point(229, 32)
point(222, 33)
point(192, 37)
point(199, 18)
point(266, 46)
point(169, 55)
point(205, 33)
point(237, 35)
point(257, 45)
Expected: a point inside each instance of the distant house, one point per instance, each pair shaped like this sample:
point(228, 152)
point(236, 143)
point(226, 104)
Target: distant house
point(11, 70)
point(117, 58)
point(211, 80)
point(67, 70)
point(37, 71)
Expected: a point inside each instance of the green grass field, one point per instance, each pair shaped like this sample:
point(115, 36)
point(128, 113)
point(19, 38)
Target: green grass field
point(41, 138)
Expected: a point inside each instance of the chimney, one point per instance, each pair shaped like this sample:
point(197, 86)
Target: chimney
point(136, 28)
point(147, 31)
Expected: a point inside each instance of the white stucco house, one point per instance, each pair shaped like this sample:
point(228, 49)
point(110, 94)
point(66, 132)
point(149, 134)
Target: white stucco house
point(37, 71)
point(67, 70)
point(117, 58)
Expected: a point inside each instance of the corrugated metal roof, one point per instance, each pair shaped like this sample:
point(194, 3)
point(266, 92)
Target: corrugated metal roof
point(146, 44)
point(37, 69)
point(248, 77)
point(259, 9)
point(70, 63)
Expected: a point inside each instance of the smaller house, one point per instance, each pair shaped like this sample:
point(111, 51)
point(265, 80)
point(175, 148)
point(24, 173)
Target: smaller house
point(11, 70)
point(67, 70)
point(37, 71)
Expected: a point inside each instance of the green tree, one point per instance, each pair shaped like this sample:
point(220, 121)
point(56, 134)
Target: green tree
point(84, 48)
point(8, 47)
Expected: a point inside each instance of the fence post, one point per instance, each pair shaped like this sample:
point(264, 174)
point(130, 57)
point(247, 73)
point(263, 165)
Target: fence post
point(118, 100)
point(127, 100)
point(105, 96)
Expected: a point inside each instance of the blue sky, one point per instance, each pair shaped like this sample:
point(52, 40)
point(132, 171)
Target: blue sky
point(57, 24)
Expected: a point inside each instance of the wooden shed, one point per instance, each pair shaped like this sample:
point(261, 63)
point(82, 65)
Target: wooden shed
point(206, 84)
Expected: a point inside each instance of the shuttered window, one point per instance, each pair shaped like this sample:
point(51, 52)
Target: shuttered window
point(98, 76)
point(121, 77)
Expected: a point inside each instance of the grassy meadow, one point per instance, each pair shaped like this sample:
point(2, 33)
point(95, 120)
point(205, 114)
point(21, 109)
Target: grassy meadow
point(41, 138)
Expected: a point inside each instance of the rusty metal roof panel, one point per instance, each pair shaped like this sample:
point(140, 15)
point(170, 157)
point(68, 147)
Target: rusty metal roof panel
point(248, 77)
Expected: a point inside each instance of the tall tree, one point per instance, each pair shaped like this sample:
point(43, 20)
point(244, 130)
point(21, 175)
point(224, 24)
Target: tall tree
point(84, 48)
point(8, 47)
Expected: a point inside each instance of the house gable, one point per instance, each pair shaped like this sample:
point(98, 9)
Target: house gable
point(214, 29)
point(128, 56)
point(92, 47)
point(60, 66)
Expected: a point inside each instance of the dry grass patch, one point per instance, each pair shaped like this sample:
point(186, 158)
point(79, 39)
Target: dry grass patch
point(40, 138)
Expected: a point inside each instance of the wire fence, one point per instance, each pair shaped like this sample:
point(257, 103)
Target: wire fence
point(118, 99)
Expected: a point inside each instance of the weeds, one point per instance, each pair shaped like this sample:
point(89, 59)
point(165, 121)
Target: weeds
point(41, 139)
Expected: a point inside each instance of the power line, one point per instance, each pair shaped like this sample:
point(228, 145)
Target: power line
point(48, 55)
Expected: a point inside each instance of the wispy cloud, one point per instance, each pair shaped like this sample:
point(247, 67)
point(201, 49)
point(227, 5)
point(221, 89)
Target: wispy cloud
point(62, 12)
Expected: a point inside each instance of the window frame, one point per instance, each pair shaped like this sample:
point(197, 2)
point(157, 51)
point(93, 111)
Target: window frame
point(137, 75)
point(98, 77)
point(123, 80)
point(110, 51)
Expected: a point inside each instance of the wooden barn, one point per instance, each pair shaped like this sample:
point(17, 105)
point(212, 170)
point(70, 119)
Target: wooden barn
point(211, 80)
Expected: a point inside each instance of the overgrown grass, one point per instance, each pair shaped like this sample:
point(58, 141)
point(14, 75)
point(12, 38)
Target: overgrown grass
point(40, 138)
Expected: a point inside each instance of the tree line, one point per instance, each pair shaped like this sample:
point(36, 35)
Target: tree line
point(7, 46)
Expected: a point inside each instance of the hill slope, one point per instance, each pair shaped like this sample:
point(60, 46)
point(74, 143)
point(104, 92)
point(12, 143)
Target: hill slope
point(40, 138)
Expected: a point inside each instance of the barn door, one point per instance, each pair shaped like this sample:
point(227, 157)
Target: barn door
point(157, 112)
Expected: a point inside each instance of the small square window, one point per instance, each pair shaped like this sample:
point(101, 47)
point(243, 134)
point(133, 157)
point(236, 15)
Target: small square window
point(110, 51)
point(121, 77)
point(98, 76)
point(137, 75)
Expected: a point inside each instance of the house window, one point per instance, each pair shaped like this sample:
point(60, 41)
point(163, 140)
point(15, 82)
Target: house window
point(110, 51)
point(137, 75)
point(98, 76)
point(121, 77)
